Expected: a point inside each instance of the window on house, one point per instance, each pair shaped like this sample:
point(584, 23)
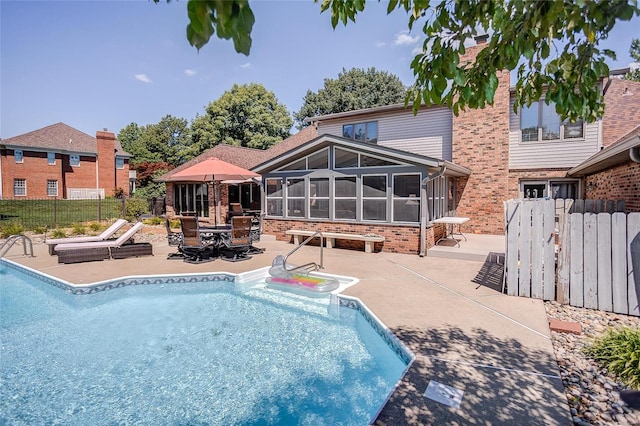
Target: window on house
point(296, 197)
point(540, 121)
point(274, 197)
point(315, 161)
point(440, 197)
point(18, 156)
point(345, 197)
point(52, 188)
point(345, 159)
point(555, 189)
point(374, 197)
point(365, 132)
point(19, 187)
point(319, 198)
point(406, 198)
point(192, 198)
point(74, 160)
point(51, 159)
point(119, 163)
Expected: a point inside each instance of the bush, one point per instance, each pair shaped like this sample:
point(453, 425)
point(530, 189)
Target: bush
point(95, 226)
point(619, 352)
point(156, 220)
point(11, 228)
point(39, 229)
point(79, 229)
point(58, 233)
point(136, 207)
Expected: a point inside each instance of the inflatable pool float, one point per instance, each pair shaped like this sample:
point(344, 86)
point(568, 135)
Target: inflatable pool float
point(284, 279)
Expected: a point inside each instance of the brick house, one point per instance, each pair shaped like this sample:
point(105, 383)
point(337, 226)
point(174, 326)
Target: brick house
point(389, 172)
point(60, 161)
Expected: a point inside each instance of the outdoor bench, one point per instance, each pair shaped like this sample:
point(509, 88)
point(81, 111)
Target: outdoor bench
point(330, 237)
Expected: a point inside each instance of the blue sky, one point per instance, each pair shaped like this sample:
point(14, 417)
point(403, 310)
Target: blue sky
point(105, 64)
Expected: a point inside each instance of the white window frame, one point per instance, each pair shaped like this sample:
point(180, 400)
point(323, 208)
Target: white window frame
point(385, 198)
point(51, 158)
point(71, 160)
point(119, 163)
point(19, 184)
point(52, 187)
point(18, 156)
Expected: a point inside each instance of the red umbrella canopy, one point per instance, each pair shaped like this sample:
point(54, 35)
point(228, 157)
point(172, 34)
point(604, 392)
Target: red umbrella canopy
point(210, 170)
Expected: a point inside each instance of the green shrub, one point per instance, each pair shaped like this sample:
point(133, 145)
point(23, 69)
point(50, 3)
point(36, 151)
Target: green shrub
point(58, 233)
point(11, 228)
point(619, 352)
point(39, 229)
point(79, 229)
point(136, 207)
point(154, 221)
point(95, 226)
point(175, 223)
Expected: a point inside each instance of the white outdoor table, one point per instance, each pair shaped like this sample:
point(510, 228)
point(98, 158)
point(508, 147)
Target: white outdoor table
point(451, 222)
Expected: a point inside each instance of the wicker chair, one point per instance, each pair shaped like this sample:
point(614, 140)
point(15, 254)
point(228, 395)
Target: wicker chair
point(237, 244)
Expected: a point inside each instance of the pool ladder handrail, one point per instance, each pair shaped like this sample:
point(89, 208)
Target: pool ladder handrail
point(311, 266)
point(12, 240)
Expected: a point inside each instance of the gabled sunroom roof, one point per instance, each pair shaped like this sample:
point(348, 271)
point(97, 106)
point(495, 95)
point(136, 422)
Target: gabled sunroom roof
point(363, 147)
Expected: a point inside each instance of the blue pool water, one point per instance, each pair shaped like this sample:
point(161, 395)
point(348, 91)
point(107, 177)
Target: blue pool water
point(202, 352)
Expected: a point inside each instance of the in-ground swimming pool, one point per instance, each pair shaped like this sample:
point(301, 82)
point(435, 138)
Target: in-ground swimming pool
point(188, 350)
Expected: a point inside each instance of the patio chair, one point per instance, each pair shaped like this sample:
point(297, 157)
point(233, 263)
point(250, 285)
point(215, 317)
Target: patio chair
point(174, 239)
point(106, 234)
point(256, 231)
point(120, 248)
point(235, 209)
point(193, 248)
point(237, 244)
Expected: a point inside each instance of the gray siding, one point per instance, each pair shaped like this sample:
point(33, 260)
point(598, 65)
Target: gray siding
point(428, 133)
point(552, 154)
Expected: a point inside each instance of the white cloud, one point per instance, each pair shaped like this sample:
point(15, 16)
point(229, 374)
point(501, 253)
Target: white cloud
point(404, 39)
point(143, 78)
point(381, 44)
point(190, 73)
point(246, 65)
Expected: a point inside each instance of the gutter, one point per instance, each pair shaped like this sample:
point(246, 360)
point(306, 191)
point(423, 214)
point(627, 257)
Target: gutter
point(423, 204)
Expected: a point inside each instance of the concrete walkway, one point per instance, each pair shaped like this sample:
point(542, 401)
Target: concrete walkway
point(465, 334)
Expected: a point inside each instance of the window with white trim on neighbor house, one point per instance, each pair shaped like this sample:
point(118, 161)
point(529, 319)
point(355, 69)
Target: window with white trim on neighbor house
point(19, 187)
point(52, 188)
point(18, 156)
point(365, 132)
point(51, 158)
point(541, 122)
point(74, 160)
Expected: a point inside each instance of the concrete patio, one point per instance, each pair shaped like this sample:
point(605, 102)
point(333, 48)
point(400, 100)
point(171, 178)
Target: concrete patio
point(446, 307)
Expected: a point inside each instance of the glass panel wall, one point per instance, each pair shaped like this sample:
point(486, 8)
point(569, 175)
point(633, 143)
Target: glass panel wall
point(274, 196)
point(319, 198)
point(406, 198)
point(345, 197)
point(374, 197)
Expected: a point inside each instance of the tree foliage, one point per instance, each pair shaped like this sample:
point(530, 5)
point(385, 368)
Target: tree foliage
point(247, 115)
point(634, 51)
point(353, 89)
point(551, 45)
point(167, 141)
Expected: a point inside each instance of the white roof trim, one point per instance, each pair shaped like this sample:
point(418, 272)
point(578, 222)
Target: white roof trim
point(606, 158)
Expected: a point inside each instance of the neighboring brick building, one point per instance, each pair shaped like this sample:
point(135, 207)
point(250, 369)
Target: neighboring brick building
point(60, 161)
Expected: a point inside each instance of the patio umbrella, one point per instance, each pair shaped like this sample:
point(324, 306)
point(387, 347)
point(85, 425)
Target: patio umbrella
point(212, 170)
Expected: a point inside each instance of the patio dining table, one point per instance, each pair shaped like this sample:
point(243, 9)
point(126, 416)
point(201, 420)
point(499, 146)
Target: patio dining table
point(214, 234)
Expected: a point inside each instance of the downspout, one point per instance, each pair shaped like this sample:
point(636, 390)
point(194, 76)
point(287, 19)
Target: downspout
point(423, 210)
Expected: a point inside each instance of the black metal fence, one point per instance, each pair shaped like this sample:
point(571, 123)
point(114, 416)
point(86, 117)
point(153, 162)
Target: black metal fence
point(54, 212)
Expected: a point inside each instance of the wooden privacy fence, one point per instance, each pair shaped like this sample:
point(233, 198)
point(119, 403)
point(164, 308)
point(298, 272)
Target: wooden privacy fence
point(582, 252)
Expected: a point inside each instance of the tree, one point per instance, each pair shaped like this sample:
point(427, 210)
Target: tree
point(634, 51)
point(553, 46)
point(167, 141)
point(247, 115)
point(353, 89)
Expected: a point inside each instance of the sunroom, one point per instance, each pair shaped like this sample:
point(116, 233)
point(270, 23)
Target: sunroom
point(334, 184)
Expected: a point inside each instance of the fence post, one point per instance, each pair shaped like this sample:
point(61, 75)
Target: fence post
point(124, 206)
point(564, 250)
point(99, 208)
point(55, 212)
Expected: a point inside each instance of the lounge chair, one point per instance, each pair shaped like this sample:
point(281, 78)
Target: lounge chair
point(193, 248)
point(108, 233)
point(236, 245)
point(119, 248)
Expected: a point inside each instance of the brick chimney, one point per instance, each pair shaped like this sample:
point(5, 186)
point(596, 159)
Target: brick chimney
point(481, 143)
point(106, 142)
